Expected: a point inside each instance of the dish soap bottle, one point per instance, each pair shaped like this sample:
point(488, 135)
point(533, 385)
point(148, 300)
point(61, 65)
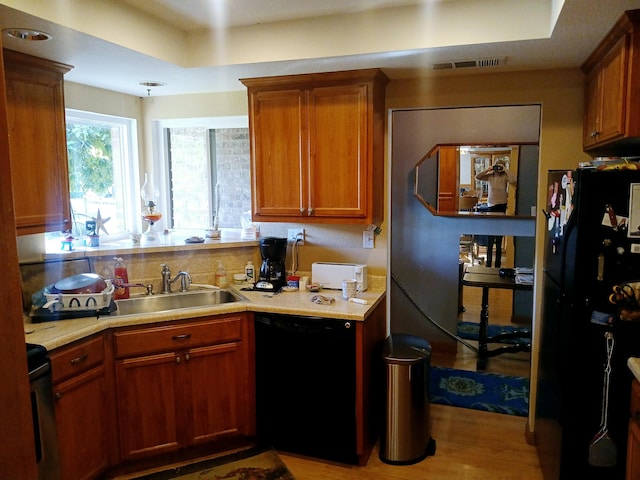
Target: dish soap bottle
point(221, 276)
point(250, 272)
point(120, 278)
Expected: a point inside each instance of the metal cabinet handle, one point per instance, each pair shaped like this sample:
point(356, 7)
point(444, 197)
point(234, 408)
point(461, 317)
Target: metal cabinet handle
point(80, 359)
point(187, 357)
point(178, 359)
point(301, 209)
point(58, 395)
point(179, 338)
point(310, 211)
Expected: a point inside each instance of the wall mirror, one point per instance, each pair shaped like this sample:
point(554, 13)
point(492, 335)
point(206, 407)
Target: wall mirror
point(446, 183)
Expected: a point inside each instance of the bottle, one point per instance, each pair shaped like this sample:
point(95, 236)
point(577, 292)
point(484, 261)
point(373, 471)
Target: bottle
point(250, 272)
point(120, 277)
point(107, 274)
point(221, 276)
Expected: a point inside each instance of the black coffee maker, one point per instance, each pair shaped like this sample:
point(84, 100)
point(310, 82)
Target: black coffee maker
point(272, 275)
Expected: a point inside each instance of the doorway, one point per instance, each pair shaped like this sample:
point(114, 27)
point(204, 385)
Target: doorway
point(424, 248)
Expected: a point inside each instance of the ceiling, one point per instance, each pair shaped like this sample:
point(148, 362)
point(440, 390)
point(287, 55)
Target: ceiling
point(200, 46)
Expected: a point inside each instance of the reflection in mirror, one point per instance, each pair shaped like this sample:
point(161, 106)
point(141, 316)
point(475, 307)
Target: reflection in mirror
point(509, 310)
point(459, 180)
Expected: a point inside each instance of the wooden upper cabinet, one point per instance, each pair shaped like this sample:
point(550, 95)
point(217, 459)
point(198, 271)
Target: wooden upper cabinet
point(37, 143)
point(317, 147)
point(612, 90)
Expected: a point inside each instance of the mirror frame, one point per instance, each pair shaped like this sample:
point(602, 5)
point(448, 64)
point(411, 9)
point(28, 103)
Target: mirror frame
point(442, 163)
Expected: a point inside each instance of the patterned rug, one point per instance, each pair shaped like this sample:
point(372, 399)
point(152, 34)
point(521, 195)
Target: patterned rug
point(469, 331)
point(251, 464)
point(479, 391)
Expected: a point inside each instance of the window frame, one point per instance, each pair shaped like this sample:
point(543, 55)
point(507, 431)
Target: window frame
point(129, 165)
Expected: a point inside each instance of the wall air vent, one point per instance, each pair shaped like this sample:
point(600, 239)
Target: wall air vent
point(478, 63)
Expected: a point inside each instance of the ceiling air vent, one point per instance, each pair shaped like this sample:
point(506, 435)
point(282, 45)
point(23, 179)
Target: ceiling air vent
point(481, 62)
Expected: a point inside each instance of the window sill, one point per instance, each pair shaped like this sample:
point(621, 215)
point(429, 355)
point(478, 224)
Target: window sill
point(230, 238)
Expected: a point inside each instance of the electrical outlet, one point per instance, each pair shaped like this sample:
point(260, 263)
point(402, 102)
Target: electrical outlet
point(367, 239)
point(294, 234)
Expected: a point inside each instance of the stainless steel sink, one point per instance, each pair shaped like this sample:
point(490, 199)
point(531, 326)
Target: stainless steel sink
point(174, 301)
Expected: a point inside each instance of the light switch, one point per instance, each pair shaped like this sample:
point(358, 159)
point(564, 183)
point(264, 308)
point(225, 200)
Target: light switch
point(367, 239)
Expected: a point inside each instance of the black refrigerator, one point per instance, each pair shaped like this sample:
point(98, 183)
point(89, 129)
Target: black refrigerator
point(592, 245)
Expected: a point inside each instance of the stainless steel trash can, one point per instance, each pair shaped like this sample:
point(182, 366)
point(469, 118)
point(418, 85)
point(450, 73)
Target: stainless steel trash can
point(406, 437)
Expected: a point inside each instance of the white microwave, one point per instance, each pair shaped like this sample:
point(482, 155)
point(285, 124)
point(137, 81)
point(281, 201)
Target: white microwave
point(330, 275)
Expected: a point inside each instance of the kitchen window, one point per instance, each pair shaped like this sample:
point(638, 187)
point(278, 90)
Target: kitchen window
point(205, 171)
point(103, 172)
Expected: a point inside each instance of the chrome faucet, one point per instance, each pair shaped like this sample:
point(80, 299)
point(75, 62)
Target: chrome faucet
point(185, 279)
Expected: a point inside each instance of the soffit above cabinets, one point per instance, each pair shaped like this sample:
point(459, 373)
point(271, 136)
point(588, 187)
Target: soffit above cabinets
point(118, 44)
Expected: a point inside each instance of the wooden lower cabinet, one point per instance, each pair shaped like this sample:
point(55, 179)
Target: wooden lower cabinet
point(633, 442)
point(82, 409)
point(183, 385)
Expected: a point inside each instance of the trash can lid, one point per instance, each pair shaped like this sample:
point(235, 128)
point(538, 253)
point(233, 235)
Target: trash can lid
point(401, 347)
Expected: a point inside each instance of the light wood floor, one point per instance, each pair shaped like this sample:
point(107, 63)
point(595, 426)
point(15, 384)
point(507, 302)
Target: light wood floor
point(470, 445)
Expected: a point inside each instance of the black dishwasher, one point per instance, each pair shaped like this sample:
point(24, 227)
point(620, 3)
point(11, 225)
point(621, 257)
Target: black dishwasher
point(306, 386)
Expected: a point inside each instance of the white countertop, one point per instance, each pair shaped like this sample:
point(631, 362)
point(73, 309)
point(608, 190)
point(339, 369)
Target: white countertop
point(55, 334)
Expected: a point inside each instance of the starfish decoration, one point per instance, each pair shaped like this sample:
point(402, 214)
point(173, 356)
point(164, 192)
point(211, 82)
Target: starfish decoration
point(100, 223)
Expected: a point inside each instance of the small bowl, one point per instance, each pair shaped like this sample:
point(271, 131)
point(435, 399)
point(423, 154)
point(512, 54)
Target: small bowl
point(314, 287)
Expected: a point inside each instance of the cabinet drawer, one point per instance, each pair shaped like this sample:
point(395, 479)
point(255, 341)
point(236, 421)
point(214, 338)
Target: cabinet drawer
point(76, 359)
point(635, 401)
point(178, 336)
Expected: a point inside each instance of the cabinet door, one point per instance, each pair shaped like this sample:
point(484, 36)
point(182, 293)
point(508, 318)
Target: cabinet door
point(280, 149)
point(614, 87)
point(81, 420)
point(448, 170)
point(214, 386)
point(593, 89)
point(606, 100)
point(340, 158)
point(37, 138)
point(147, 405)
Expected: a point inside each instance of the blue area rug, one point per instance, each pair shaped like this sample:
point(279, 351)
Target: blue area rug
point(491, 392)
point(469, 331)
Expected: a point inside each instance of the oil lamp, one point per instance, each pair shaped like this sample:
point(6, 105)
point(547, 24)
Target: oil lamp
point(150, 196)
